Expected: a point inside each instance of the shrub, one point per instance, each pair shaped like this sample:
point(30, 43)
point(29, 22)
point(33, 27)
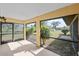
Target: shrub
point(34, 29)
point(44, 33)
point(65, 31)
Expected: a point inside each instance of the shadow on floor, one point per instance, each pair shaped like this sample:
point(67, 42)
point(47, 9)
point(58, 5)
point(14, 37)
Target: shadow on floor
point(10, 49)
point(23, 48)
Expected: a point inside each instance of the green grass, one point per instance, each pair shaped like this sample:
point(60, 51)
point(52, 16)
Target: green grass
point(61, 47)
point(55, 33)
point(58, 46)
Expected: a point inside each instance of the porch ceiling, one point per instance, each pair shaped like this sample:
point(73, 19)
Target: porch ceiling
point(24, 11)
point(68, 10)
point(60, 12)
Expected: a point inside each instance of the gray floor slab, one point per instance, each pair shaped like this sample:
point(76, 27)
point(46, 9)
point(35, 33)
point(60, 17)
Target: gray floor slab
point(24, 48)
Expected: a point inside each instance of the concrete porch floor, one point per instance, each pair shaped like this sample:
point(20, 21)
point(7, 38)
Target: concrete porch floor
point(24, 48)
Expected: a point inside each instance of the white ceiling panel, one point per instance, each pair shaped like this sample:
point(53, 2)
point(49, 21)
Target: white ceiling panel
point(24, 11)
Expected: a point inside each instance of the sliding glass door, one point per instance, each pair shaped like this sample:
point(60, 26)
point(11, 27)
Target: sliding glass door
point(31, 32)
point(6, 32)
point(11, 32)
point(18, 32)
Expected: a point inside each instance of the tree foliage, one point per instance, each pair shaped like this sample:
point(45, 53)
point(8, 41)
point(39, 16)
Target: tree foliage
point(65, 30)
point(55, 24)
point(45, 32)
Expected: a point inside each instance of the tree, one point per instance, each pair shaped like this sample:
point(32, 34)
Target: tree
point(9, 27)
point(65, 30)
point(55, 24)
point(6, 27)
point(43, 23)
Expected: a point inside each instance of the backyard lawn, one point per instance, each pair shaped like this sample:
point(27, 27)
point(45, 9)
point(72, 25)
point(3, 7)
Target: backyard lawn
point(56, 33)
point(60, 47)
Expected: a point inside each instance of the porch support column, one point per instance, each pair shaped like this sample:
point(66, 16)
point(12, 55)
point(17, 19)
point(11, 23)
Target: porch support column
point(0, 32)
point(38, 40)
point(24, 32)
point(12, 32)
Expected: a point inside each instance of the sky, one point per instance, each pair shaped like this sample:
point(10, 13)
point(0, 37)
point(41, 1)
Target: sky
point(62, 23)
point(29, 25)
